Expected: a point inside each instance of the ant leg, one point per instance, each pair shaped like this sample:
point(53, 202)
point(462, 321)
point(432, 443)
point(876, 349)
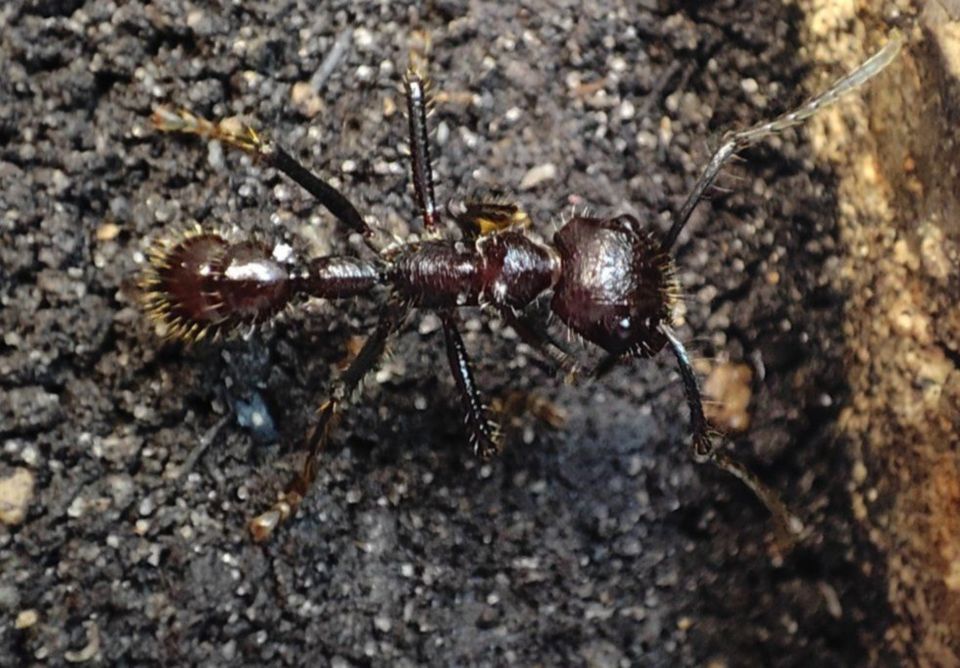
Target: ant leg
point(416, 88)
point(245, 138)
point(536, 336)
point(262, 526)
point(703, 449)
point(740, 140)
point(484, 434)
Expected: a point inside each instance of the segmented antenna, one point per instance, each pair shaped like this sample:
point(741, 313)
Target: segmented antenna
point(745, 138)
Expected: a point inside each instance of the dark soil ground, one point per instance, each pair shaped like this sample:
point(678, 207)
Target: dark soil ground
point(597, 544)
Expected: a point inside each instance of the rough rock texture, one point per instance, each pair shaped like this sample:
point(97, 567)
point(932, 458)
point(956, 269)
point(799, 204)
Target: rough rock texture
point(597, 544)
point(901, 231)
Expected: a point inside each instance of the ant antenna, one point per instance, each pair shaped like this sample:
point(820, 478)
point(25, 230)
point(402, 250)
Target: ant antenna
point(745, 138)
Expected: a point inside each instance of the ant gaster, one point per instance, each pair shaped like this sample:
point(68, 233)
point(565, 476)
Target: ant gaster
point(611, 280)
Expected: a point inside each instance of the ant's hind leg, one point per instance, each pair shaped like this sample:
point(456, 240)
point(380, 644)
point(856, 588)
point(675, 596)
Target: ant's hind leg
point(704, 450)
point(484, 434)
point(262, 526)
point(241, 136)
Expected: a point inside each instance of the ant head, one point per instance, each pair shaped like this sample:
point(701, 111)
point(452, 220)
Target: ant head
point(616, 284)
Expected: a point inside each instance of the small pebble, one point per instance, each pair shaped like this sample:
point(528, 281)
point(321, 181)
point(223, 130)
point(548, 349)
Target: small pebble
point(305, 99)
point(26, 619)
point(107, 232)
point(16, 492)
point(537, 175)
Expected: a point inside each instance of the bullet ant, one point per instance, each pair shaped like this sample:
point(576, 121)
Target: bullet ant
point(611, 280)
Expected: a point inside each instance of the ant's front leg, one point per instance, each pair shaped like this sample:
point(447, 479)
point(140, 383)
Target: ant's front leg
point(704, 450)
point(243, 137)
point(484, 434)
point(262, 526)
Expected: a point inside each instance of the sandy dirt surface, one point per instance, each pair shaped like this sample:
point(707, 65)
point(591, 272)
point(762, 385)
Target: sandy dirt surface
point(129, 467)
point(900, 222)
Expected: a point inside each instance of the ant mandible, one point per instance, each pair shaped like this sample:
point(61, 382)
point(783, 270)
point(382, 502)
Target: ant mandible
point(612, 280)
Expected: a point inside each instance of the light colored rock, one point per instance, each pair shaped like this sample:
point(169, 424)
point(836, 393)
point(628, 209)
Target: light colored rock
point(16, 492)
point(538, 175)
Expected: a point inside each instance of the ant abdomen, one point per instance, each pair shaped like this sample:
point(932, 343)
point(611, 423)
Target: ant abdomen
point(199, 284)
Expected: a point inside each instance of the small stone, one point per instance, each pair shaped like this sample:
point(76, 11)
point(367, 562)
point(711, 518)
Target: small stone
point(365, 73)
point(147, 506)
point(16, 492)
point(215, 155)
point(859, 473)
point(108, 232)
point(537, 175)
point(26, 619)
point(77, 507)
point(305, 99)
point(382, 623)
point(363, 39)
point(749, 86)
point(646, 139)
point(229, 650)
point(429, 324)
point(728, 385)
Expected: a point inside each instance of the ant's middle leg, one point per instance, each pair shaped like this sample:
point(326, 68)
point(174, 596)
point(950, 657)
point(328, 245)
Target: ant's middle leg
point(704, 450)
point(243, 137)
point(483, 432)
point(262, 526)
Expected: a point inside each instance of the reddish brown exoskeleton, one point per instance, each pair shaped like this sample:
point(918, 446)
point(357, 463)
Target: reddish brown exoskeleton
point(610, 280)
